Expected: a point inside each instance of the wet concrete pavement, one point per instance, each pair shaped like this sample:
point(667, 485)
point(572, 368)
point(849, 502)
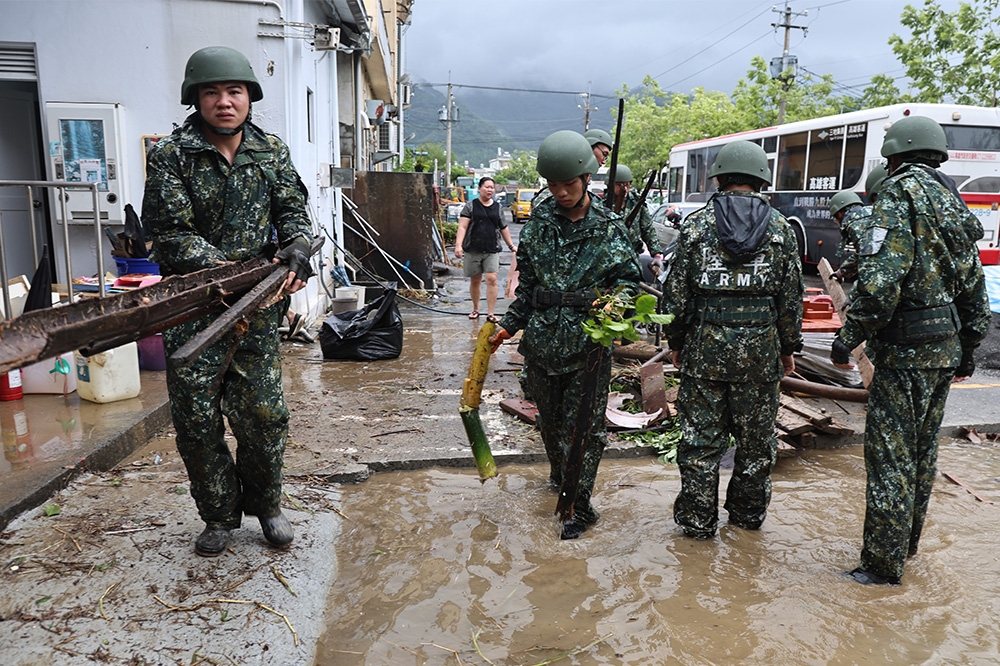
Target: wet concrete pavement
point(124, 537)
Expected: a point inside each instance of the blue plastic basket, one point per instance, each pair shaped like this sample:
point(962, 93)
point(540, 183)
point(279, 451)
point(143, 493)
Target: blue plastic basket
point(129, 265)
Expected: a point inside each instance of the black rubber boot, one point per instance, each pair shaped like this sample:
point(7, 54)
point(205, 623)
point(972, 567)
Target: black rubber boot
point(572, 529)
point(277, 529)
point(859, 575)
point(211, 542)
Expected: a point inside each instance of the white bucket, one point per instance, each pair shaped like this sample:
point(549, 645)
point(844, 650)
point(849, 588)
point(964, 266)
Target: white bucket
point(109, 376)
point(357, 293)
point(54, 375)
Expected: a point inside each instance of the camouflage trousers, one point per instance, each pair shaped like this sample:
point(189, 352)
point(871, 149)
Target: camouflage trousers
point(710, 411)
point(247, 391)
point(905, 408)
point(558, 400)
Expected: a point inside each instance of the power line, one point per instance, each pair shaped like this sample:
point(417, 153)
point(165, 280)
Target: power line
point(692, 57)
point(648, 62)
point(754, 41)
point(506, 89)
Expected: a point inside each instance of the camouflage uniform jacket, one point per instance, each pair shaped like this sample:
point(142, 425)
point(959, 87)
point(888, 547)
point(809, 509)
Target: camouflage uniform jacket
point(918, 251)
point(722, 347)
point(642, 230)
point(854, 221)
point(554, 253)
point(202, 211)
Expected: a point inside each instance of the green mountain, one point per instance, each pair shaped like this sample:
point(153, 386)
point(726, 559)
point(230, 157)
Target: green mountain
point(490, 119)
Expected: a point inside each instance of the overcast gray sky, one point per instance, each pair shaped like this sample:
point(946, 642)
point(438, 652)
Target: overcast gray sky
point(573, 44)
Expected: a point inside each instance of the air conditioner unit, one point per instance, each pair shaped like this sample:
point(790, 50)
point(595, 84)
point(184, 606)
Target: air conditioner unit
point(387, 136)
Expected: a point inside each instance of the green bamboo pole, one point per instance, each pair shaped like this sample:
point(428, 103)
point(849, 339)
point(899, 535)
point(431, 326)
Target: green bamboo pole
point(472, 389)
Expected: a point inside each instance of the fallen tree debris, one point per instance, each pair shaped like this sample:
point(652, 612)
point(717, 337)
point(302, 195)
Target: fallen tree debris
point(958, 482)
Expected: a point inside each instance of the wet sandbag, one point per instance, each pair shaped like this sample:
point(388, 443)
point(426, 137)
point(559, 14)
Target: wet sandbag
point(373, 333)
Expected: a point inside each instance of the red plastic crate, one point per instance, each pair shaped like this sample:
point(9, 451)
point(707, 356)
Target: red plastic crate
point(989, 256)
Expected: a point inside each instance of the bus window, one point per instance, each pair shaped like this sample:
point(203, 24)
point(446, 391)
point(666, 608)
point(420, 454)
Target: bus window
point(674, 185)
point(987, 184)
point(824, 158)
point(770, 144)
point(699, 164)
point(792, 162)
point(854, 155)
point(972, 138)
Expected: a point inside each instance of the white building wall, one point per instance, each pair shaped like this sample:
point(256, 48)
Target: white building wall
point(133, 53)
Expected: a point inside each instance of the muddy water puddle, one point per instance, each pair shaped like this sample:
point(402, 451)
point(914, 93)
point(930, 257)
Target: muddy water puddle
point(435, 568)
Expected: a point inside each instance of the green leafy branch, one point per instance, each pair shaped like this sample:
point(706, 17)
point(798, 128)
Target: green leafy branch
point(610, 319)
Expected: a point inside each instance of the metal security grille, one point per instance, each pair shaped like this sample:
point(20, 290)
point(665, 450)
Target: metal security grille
point(17, 62)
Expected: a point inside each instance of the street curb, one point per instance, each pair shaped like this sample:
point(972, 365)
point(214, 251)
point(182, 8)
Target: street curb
point(101, 459)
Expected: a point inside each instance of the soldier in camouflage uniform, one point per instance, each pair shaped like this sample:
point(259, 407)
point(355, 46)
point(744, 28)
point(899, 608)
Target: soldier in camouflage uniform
point(920, 302)
point(217, 190)
point(847, 209)
point(735, 288)
point(641, 229)
point(568, 250)
point(852, 216)
point(601, 143)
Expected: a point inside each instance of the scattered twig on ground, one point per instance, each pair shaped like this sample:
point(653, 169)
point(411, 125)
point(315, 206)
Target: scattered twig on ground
point(130, 530)
point(240, 581)
point(413, 652)
point(454, 652)
point(71, 538)
point(100, 602)
point(258, 604)
point(281, 579)
point(570, 653)
point(397, 432)
point(475, 644)
point(294, 502)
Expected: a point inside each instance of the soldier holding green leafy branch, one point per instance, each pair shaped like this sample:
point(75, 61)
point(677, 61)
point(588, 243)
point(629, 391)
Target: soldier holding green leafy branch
point(570, 251)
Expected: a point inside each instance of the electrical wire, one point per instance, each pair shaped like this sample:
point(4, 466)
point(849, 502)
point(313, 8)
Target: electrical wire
point(386, 285)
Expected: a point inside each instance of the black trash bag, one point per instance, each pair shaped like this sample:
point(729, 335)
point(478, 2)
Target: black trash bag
point(135, 235)
point(40, 294)
point(373, 333)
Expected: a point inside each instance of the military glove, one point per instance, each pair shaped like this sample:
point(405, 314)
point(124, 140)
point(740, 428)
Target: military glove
point(840, 354)
point(967, 366)
point(498, 339)
point(296, 255)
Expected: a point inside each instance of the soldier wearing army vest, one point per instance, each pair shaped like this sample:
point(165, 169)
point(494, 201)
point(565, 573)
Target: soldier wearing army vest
point(735, 288)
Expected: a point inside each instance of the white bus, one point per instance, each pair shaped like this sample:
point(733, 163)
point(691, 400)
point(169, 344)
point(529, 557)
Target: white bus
point(812, 160)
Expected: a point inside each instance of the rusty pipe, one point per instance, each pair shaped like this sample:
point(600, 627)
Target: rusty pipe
point(824, 390)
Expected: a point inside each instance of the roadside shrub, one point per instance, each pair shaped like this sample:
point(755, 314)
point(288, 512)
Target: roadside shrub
point(450, 232)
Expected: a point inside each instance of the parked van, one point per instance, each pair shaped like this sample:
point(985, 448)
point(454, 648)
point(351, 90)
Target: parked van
point(521, 206)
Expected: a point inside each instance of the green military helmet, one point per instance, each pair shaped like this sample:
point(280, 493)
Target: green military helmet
point(215, 64)
point(741, 157)
point(623, 174)
point(873, 183)
point(842, 200)
point(915, 133)
point(596, 136)
point(565, 155)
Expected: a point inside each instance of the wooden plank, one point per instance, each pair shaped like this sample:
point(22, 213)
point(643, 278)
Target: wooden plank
point(793, 404)
point(654, 393)
point(806, 440)
point(524, 410)
point(791, 423)
point(840, 301)
point(836, 428)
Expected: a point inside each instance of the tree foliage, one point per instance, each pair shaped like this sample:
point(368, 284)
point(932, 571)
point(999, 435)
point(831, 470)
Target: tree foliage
point(952, 56)
point(521, 170)
point(656, 120)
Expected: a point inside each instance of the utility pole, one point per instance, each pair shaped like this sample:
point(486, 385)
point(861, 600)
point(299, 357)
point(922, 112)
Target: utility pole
point(785, 66)
point(587, 108)
point(448, 115)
